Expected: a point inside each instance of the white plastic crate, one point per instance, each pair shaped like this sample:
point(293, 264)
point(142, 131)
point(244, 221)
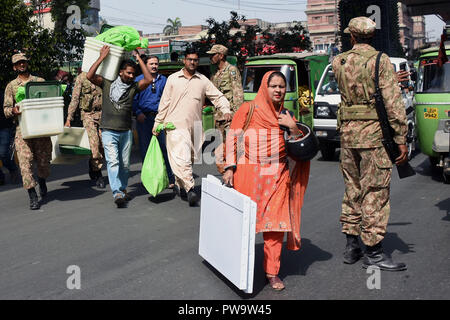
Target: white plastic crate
point(109, 68)
point(71, 137)
point(227, 232)
point(42, 117)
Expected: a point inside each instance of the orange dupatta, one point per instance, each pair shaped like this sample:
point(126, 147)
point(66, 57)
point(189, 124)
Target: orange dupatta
point(279, 194)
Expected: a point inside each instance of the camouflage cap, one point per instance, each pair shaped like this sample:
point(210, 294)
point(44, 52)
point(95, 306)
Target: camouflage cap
point(361, 26)
point(18, 57)
point(218, 48)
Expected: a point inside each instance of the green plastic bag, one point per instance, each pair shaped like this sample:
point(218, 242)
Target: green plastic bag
point(124, 37)
point(154, 174)
point(20, 95)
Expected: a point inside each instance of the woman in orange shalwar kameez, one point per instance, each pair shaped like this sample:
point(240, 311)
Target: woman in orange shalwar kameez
point(261, 169)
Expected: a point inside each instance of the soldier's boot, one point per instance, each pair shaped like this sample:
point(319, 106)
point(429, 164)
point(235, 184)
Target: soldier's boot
point(42, 187)
point(375, 256)
point(34, 200)
point(352, 251)
point(100, 181)
point(92, 173)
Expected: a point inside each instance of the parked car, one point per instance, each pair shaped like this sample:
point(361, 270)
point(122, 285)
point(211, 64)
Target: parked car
point(326, 103)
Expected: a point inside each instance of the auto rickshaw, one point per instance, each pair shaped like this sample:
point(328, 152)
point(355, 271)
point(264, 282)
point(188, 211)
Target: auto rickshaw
point(432, 107)
point(302, 71)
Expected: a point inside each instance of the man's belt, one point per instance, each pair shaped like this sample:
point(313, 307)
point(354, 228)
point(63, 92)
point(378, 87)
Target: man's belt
point(357, 112)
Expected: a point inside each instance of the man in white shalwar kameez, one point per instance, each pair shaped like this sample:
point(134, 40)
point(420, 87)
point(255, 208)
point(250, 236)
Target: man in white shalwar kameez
point(181, 104)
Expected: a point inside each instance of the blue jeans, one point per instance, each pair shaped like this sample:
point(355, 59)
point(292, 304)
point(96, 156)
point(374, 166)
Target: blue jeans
point(145, 135)
point(6, 137)
point(117, 146)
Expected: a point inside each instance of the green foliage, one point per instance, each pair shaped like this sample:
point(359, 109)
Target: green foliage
point(295, 38)
point(220, 33)
point(60, 15)
point(46, 49)
point(172, 26)
point(251, 39)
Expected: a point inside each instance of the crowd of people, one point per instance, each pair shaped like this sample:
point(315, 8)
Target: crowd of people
point(107, 108)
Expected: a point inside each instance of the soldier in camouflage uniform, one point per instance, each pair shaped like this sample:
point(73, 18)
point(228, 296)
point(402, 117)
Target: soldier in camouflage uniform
point(89, 97)
point(228, 80)
point(365, 165)
point(38, 149)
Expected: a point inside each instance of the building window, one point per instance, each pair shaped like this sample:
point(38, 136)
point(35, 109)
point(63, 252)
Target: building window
point(330, 19)
point(317, 19)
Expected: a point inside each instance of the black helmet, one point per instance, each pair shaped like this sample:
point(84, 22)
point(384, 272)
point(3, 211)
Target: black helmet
point(305, 148)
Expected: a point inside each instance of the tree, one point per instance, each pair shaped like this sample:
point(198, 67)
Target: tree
point(19, 33)
point(294, 40)
point(47, 49)
point(240, 42)
point(172, 26)
point(70, 42)
point(249, 40)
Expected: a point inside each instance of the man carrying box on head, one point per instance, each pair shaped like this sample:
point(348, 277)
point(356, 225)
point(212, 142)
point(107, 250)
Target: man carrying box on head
point(38, 149)
point(117, 112)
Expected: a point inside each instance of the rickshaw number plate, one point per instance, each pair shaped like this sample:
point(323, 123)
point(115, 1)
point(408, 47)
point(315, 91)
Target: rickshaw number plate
point(430, 113)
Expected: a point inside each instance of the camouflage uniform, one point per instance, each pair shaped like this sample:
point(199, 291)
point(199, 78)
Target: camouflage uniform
point(89, 97)
point(38, 149)
point(365, 165)
point(229, 82)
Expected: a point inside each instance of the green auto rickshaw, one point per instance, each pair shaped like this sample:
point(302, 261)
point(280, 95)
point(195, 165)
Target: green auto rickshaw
point(302, 71)
point(432, 108)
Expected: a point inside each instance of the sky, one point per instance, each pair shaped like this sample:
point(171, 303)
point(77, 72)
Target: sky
point(150, 16)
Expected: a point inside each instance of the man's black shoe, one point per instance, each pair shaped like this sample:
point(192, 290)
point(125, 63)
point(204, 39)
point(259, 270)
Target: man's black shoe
point(180, 193)
point(352, 251)
point(375, 256)
point(100, 182)
point(42, 187)
point(192, 198)
point(34, 201)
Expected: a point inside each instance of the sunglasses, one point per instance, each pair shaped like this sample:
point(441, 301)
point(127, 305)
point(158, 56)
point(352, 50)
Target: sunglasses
point(153, 87)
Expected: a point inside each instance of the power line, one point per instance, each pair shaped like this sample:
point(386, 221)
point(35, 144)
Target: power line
point(251, 3)
point(135, 22)
point(268, 10)
point(138, 14)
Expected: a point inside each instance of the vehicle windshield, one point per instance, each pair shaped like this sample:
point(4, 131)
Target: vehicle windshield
point(329, 84)
point(431, 78)
point(254, 74)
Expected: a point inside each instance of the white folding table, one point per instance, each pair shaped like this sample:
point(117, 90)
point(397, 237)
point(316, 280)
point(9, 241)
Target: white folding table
point(227, 232)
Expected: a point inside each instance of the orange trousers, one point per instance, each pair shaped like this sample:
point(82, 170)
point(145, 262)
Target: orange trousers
point(273, 242)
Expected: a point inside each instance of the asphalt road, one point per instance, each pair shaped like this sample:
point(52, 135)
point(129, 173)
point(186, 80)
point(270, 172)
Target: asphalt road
point(150, 249)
